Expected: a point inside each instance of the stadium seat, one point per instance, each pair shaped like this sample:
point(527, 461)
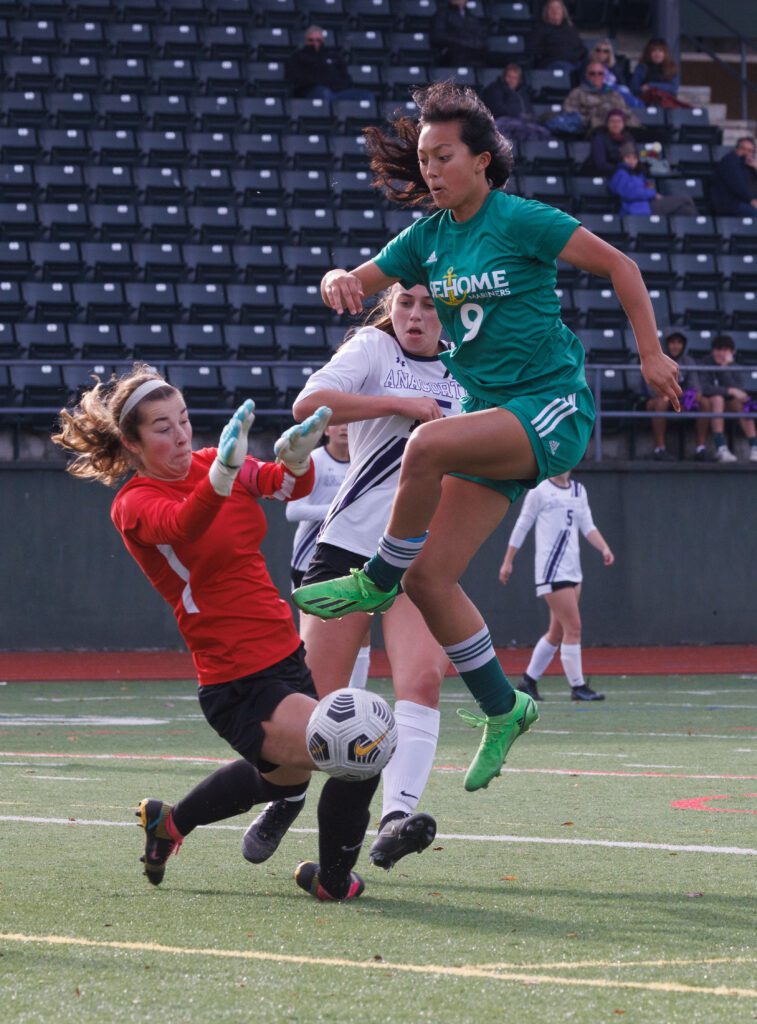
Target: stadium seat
point(210, 262)
point(214, 223)
point(409, 48)
point(28, 72)
point(165, 223)
point(96, 341)
point(505, 48)
point(117, 146)
point(149, 341)
point(259, 149)
point(372, 14)
point(307, 188)
point(349, 153)
point(70, 109)
point(696, 234)
point(176, 75)
point(264, 113)
point(49, 300)
point(65, 221)
point(591, 195)
point(101, 300)
point(18, 221)
point(307, 151)
point(545, 157)
point(398, 219)
point(113, 221)
point(352, 189)
point(740, 272)
point(266, 78)
point(211, 149)
point(262, 262)
point(17, 260)
point(362, 227)
point(739, 234)
point(78, 379)
point(693, 126)
point(119, 110)
point(696, 308)
point(17, 183)
point(177, 40)
point(154, 301)
point(200, 385)
point(354, 115)
point(251, 341)
point(302, 341)
point(690, 158)
point(254, 303)
point(402, 79)
point(303, 304)
point(367, 76)
point(80, 38)
point(265, 224)
point(599, 307)
point(648, 233)
point(414, 14)
point(216, 113)
point(289, 382)
point(23, 108)
point(221, 42)
point(741, 309)
point(158, 262)
point(204, 302)
point(270, 43)
point(108, 261)
point(369, 46)
point(315, 226)
point(222, 77)
point(605, 344)
point(39, 385)
point(133, 39)
point(45, 340)
point(81, 72)
point(200, 341)
point(125, 74)
point(19, 145)
point(310, 115)
point(255, 382)
point(307, 263)
point(655, 268)
point(548, 86)
point(160, 185)
point(697, 270)
point(9, 346)
point(61, 184)
point(167, 113)
point(163, 149)
point(258, 187)
point(546, 188)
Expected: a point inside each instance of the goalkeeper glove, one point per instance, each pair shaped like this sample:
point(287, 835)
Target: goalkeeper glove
point(232, 449)
point(294, 446)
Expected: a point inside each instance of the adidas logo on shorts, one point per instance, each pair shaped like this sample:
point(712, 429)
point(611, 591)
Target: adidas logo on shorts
point(553, 446)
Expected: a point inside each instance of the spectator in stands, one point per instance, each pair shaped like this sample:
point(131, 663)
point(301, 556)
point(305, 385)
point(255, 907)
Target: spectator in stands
point(316, 73)
point(689, 379)
point(655, 79)
point(508, 99)
point(555, 42)
point(616, 64)
point(637, 192)
point(458, 36)
point(589, 104)
point(733, 189)
point(606, 143)
point(724, 390)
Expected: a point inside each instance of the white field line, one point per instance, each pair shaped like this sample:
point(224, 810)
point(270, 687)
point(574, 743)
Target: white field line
point(465, 971)
point(470, 838)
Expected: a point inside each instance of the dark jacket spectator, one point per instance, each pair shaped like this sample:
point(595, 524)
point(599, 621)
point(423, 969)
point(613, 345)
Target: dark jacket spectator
point(509, 101)
point(691, 384)
point(315, 72)
point(606, 142)
point(733, 189)
point(655, 72)
point(555, 42)
point(727, 390)
point(458, 36)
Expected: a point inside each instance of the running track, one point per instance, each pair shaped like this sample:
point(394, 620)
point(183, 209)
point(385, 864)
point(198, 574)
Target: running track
point(93, 665)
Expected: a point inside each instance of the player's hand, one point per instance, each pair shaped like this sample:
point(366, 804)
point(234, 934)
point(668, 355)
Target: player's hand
point(661, 373)
point(232, 449)
point(421, 409)
point(505, 572)
point(341, 290)
point(294, 446)
point(608, 557)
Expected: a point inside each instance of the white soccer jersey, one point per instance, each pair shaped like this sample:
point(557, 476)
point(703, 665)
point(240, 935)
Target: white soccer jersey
point(559, 513)
point(309, 512)
point(373, 363)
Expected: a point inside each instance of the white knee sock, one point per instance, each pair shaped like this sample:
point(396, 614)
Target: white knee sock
point(359, 676)
point(570, 656)
point(407, 773)
point(542, 655)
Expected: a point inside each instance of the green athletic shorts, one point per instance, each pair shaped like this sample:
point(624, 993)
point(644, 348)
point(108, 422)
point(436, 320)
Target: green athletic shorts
point(558, 428)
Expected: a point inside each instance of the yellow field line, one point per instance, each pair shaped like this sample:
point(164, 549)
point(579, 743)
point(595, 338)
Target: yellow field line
point(619, 963)
point(382, 965)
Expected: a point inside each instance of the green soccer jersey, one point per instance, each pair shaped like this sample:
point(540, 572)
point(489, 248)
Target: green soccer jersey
point(493, 282)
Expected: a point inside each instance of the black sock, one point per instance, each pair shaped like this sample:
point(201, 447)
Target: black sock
point(343, 816)
point(229, 791)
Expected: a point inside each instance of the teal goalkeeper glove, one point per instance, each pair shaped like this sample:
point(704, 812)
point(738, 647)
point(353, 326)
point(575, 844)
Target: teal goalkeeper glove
point(232, 449)
point(294, 446)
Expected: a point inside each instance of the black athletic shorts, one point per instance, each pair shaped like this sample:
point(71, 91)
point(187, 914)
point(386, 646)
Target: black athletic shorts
point(295, 576)
point(237, 709)
point(330, 562)
point(550, 588)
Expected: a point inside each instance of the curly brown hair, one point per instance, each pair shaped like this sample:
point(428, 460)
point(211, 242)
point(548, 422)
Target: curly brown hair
point(91, 430)
point(394, 155)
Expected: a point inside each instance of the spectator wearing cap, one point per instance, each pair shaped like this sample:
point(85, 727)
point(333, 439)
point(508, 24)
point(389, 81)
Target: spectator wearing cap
point(689, 379)
point(733, 189)
point(316, 72)
point(725, 390)
point(606, 142)
point(638, 194)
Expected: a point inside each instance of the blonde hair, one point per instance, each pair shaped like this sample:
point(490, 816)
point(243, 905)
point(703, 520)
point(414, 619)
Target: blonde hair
point(604, 44)
point(90, 429)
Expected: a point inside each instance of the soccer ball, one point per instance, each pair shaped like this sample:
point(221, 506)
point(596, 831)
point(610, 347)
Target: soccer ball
point(351, 734)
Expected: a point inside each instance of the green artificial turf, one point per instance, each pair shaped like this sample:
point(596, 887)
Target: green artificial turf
point(481, 927)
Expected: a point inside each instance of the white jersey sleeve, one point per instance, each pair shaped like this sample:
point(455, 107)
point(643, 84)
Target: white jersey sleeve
point(374, 363)
point(585, 520)
point(311, 510)
point(528, 513)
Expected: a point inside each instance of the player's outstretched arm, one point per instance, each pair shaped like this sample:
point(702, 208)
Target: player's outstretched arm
point(232, 449)
point(597, 541)
point(346, 289)
point(294, 446)
point(506, 569)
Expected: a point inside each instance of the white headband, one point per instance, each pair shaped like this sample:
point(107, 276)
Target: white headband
point(138, 394)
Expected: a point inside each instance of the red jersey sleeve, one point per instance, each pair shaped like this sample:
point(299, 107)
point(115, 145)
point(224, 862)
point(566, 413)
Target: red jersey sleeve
point(151, 517)
point(274, 480)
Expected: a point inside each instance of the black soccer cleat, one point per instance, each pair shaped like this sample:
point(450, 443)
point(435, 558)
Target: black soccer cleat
point(262, 838)
point(308, 878)
point(528, 685)
point(585, 692)
point(159, 845)
point(400, 836)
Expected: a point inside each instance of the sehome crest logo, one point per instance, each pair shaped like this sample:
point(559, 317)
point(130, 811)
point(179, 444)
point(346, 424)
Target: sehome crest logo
point(453, 290)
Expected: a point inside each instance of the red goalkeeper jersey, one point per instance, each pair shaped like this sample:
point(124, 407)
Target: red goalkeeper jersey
point(201, 552)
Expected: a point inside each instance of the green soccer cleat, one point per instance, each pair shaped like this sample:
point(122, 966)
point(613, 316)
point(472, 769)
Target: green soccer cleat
point(500, 732)
point(332, 599)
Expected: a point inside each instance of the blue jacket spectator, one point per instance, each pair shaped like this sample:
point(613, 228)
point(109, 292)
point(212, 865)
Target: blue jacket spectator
point(733, 189)
point(638, 194)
